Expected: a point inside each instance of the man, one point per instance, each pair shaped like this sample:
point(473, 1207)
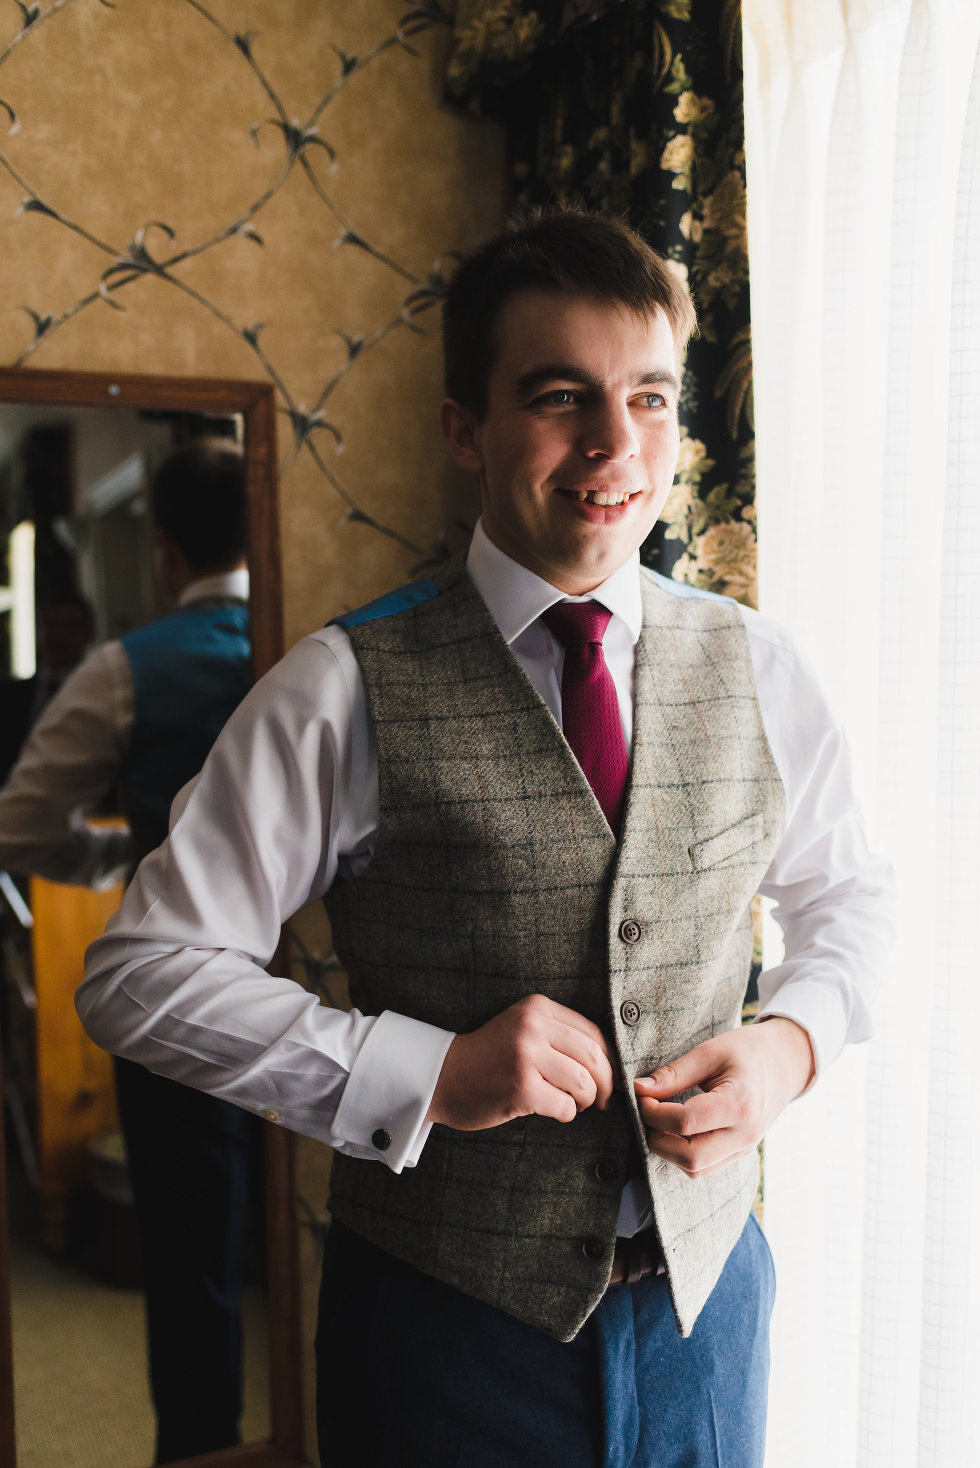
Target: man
point(547, 1114)
point(142, 713)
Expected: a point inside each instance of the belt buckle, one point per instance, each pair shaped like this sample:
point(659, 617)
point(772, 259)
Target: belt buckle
point(635, 1257)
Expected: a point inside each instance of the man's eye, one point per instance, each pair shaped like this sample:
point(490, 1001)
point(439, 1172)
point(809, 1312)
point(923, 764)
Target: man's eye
point(559, 397)
point(654, 400)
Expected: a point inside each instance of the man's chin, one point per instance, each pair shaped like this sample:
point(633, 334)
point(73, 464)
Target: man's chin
point(585, 567)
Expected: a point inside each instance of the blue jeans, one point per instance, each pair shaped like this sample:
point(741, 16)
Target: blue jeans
point(412, 1372)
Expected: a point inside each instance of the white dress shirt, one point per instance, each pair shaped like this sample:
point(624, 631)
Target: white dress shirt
point(288, 800)
point(70, 762)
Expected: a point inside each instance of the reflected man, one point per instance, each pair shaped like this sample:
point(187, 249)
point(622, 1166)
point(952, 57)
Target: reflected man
point(141, 714)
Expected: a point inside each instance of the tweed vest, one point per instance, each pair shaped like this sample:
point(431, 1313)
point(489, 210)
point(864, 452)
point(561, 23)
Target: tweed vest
point(495, 876)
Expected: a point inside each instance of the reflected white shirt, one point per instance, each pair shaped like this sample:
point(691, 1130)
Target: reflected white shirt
point(71, 760)
point(288, 800)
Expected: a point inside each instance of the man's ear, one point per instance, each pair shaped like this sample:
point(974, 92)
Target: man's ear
point(460, 430)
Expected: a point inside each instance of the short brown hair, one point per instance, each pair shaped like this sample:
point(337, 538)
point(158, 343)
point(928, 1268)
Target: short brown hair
point(566, 250)
point(197, 497)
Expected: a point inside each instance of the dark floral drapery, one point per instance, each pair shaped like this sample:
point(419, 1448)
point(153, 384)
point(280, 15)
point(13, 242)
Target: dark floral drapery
point(635, 107)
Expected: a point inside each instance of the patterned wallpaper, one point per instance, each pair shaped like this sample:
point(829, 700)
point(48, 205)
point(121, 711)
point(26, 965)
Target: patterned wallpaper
point(254, 188)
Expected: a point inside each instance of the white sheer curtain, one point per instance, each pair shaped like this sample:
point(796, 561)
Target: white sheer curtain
point(863, 152)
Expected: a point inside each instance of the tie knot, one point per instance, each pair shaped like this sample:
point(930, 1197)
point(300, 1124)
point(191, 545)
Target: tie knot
point(575, 623)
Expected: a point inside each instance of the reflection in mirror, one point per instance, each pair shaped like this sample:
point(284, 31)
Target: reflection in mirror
point(123, 647)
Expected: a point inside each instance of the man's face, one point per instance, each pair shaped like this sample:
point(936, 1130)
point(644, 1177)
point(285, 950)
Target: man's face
point(576, 452)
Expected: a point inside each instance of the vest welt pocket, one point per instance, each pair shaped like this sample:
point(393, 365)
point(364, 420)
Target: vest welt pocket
point(718, 848)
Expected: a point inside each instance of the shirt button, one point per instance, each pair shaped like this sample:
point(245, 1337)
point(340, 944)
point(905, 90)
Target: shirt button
point(381, 1139)
point(605, 1170)
point(629, 1012)
point(593, 1248)
point(630, 931)
point(272, 1115)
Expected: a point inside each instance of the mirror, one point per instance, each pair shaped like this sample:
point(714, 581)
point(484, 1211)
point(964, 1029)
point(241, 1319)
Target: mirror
point(76, 453)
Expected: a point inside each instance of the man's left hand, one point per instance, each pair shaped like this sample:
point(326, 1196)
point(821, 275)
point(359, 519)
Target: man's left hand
point(747, 1077)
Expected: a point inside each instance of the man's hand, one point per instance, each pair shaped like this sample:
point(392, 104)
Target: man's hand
point(747, 1077)
point(537, 1057)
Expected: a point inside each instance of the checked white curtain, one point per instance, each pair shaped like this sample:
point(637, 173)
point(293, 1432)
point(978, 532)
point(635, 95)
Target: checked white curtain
point(863, 154)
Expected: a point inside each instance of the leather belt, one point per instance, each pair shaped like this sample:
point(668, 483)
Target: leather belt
point(637, 1257)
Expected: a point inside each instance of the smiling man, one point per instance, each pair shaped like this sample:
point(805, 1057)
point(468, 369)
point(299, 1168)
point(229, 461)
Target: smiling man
point(576, 448)
point(537, 792)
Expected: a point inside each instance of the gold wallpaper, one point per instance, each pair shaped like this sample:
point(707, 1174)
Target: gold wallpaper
point(252, 189)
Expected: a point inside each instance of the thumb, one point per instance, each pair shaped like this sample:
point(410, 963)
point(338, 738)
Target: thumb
point(679, 1075)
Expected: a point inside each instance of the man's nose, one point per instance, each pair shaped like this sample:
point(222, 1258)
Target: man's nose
point(609, 433)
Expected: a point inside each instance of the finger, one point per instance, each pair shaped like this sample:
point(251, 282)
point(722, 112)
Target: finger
point(581, 1046)
point(545, 1099)
point(693, 1069)
point(573, 1034)
point(692, 1153)
point(569, 1075)
point(719, 1166)
point(576, 1021)
point(701, 1157)
point(709, 1111)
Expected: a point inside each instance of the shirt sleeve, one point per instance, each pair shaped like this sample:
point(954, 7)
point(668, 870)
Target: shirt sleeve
point(834, 896)
point(69, 763)
point(177, 982)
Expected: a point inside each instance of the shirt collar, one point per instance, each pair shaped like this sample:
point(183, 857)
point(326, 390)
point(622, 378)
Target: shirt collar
point(516, 597)
point(226, 584)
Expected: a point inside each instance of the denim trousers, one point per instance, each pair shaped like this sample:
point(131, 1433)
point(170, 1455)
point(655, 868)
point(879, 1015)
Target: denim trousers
point(414, 1373)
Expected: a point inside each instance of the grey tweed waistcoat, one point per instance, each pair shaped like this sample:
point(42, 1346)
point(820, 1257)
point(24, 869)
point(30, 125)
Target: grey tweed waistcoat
point(495, 876)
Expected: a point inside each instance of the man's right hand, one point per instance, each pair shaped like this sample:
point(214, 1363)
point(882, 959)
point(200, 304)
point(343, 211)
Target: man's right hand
point(536, 1058)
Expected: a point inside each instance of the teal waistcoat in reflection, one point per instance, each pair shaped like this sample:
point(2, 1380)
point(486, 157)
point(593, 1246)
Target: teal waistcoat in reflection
point(190, 672)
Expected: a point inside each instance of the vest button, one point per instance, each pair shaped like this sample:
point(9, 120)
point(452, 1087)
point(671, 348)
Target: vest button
point(605, 1170)
point(381, 1139)
point(593, 1248)
point(629, 1012)
point(630, 931)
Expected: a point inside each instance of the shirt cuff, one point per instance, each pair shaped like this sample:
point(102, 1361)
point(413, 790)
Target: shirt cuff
point(388, 1092)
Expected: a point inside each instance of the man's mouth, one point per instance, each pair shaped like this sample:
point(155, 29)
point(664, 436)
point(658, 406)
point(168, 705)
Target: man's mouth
point(601, 496)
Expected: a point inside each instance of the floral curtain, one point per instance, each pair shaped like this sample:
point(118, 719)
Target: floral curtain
point(635, 107)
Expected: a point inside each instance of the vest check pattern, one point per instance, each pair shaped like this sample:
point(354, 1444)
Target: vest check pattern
point(589, 706)
point(496, 876)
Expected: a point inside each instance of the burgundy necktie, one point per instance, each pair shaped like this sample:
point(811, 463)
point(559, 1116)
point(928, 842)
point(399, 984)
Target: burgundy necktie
point(589, 706)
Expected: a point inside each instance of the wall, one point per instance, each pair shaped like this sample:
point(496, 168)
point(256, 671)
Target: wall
point(152, 112)
point(179, 175)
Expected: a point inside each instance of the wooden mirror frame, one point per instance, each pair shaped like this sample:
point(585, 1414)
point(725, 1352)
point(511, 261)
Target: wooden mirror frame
point(256, 403)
